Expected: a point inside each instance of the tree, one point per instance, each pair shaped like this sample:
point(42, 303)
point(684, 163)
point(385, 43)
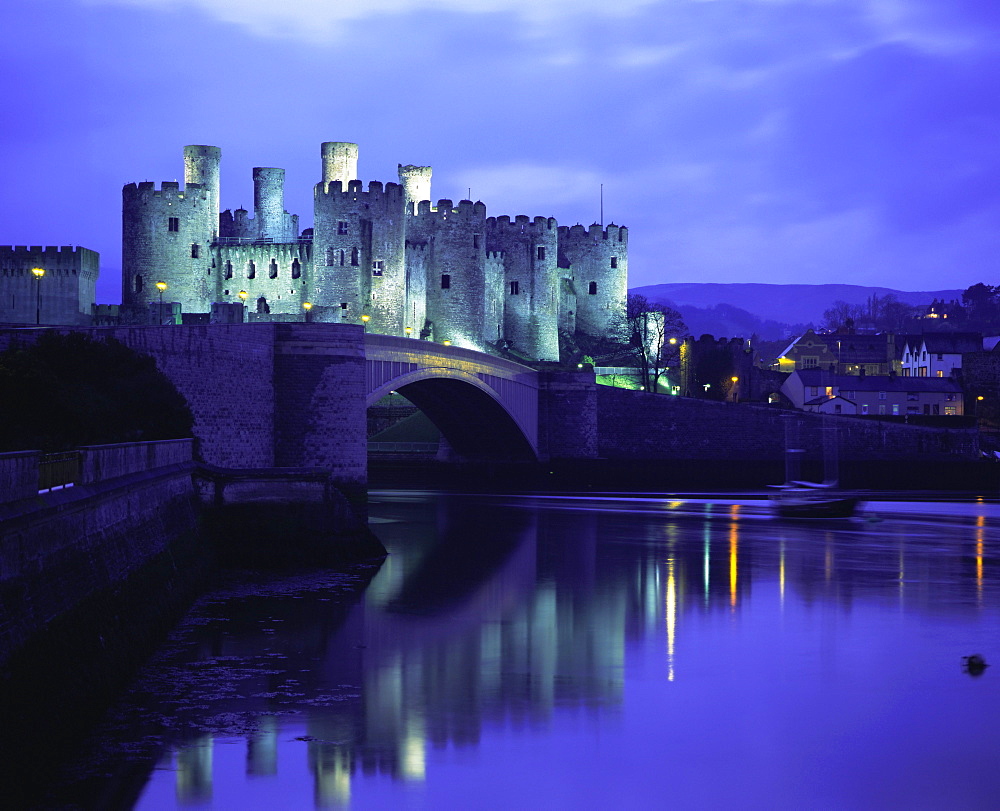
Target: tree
point(64, 391)
point(650, 326)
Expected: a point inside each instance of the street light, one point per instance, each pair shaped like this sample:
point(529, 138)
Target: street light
point(243, 300)
point(408, 331)
point(307, 306)
point(736, 391)
point(39, 272)
point(365, 318)
point(161, 286)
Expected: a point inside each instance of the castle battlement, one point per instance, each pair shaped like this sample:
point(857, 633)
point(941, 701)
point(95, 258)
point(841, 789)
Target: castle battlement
point(595, 233)
point(65, 252)
point(447, 210)
point(168, 188)
point(355, 191)
point(522, 224)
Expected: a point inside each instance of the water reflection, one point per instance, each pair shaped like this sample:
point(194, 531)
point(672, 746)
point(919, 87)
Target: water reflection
point(495, 617)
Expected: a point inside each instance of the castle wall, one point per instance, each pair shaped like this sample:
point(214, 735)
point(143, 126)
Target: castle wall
point(64, 295)
point(160, 229)
point(416, 257)
point(278, 273)
point(598, 265)
point(532, 275)
point(269, 203)
point(456, 269)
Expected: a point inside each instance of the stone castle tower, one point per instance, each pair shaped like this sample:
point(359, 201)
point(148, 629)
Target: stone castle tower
point(382, 254)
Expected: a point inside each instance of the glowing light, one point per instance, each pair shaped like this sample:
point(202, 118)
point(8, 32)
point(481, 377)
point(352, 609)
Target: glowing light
point(307, 305)
point(161, 286)
point(733, 561)
point(39, 272)
point(980, 525)
point(671, 617)
point(408, 331)
point(735, 379)
point(414, 760)
point(781, 574)
point(446, 343)
point(673, 340)
point(366, 318)
point(242, 295)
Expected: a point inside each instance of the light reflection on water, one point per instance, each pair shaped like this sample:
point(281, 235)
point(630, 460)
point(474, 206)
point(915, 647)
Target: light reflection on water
point(591, 652)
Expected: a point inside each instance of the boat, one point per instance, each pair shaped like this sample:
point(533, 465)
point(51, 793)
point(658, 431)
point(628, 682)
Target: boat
point(804, 499)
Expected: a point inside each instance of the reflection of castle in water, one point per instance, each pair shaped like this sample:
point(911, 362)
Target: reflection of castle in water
point(547, 622)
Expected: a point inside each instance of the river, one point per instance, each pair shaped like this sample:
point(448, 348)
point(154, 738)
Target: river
point(560, 652)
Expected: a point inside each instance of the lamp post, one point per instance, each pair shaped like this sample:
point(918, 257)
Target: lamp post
point(365, 318)
point(408, 331)
point(38, 272)
point(161, 286)
point(243, 300)
point(736, 391)
point(307, 306)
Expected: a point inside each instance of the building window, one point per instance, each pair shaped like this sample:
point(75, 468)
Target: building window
point(343, 305)
point(906, 371)
point(864, 408)
point(194, 251)
point(229, 269)
point(912, 395)
point(475, 241)
point(515, 288)
point(950, 411)
point(913, 409)
point(881, 408)
point(895, 410)
point(949, 397)
point(355, 258)
point(592, 288)
point(540, 253)
point(940, 372)
point(848, 395)
point(331, 257)
point(138, 284)
point(838, 408)
point(272, 270)
point(614, 261)
point(342, 227)
point(296, 268)
point(881, 395)
point(922, 371)
point(377, 268)
point(173, 224)
point(251, 270)
point(810, 362)
point(445, 281)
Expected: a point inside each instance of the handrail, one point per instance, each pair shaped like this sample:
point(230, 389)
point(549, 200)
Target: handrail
point(58, 470)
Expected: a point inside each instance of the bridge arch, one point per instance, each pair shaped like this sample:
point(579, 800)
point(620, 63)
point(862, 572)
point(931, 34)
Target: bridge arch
point(486, 408)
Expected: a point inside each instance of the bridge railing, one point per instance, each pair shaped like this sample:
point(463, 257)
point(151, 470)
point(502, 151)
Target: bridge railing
point(403, 447)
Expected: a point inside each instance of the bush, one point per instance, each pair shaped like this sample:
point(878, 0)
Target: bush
point(64, 391)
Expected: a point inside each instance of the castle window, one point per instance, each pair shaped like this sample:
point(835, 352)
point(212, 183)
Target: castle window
point(343, 305)
point(515, 288)
point(475, 240)
point(272, 270)
point(592, 289)
point(342, 227)
point(331, 256)
point(194, 251)
point(342, 256)
point(355, 257)
point(540, 253)
point(229, 270)
point(296, 269)
point(251, 270)
point(614, 261)
point(445, 281)
point(263, 306)
point(138, 284)
point(377, 268)
point(173, 224)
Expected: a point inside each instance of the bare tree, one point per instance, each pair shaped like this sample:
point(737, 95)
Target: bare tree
point(650, 326)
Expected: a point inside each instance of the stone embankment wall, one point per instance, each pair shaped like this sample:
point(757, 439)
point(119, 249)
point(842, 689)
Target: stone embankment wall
point(638, 425)
point(60, 549)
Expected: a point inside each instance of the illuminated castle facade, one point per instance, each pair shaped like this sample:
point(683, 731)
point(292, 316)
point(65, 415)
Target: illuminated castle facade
point(382, 254)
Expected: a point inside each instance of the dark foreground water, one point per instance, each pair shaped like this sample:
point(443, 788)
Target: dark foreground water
point(585, 653)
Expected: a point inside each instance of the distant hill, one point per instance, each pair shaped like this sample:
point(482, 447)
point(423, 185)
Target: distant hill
point(771, 310)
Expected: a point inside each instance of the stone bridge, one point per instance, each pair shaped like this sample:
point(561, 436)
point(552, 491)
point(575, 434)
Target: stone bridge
point(296, 394)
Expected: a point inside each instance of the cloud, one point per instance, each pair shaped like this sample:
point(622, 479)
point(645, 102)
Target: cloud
point(326, 20)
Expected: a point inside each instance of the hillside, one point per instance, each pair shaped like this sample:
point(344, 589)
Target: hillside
point(771, 310)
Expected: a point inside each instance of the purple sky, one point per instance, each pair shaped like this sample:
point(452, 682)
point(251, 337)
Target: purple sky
point(776, 141)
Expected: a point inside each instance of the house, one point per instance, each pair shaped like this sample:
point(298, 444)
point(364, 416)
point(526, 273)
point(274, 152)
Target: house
point(888, 395)
point(938, 354)
point(847, 352)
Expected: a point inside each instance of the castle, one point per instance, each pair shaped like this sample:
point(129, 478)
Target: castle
point(382, 255)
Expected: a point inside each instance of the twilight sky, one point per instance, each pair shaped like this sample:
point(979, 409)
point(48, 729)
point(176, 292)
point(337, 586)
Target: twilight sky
point(780, 141)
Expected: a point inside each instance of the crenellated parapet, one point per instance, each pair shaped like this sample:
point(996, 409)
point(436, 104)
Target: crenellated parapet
point(354, 191)
point(596, 259)
point(63, 293)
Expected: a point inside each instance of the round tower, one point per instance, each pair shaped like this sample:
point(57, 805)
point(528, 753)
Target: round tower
point(340, 161)
point(416, 183)
point(269, 202)
point(201, 166)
